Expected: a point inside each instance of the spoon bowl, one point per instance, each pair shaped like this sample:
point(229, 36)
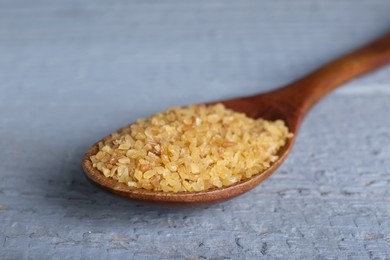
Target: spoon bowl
point(202, 197)
point(289, 103)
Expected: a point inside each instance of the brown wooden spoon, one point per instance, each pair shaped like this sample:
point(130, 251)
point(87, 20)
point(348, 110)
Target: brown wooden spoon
point(289, 103)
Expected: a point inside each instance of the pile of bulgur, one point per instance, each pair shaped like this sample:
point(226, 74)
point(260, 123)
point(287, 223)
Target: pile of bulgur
point(190, 149)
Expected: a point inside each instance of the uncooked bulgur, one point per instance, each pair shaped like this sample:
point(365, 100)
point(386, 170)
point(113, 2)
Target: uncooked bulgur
point(190, 149)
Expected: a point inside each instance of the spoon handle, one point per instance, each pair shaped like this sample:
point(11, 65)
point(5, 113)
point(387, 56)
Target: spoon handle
point(305, 92)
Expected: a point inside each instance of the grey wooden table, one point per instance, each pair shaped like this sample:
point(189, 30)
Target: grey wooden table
point(73, 71)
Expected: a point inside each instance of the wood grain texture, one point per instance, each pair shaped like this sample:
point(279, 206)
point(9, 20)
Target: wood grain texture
point(61, 60)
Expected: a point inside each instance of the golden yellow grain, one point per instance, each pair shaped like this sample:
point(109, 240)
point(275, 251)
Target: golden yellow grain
point(194, 148)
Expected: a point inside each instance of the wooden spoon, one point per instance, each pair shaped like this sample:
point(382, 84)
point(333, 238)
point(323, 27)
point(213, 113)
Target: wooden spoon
point(289, 103)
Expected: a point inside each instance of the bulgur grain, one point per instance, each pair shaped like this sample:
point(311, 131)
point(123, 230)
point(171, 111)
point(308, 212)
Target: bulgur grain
point(190, 149)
